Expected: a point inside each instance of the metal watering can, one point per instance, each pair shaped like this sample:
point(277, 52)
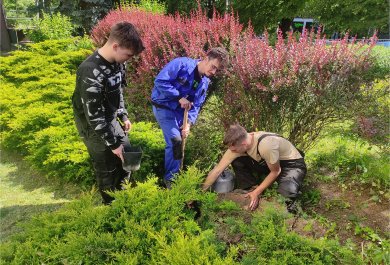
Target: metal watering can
point(224, 182)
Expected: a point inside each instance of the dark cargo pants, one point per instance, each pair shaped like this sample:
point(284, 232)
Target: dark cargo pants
point(249, 172)
point(108, 168)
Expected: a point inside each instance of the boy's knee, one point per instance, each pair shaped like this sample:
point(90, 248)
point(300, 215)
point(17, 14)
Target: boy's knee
point(290, 182)
point(176, 148)
point(289, 189)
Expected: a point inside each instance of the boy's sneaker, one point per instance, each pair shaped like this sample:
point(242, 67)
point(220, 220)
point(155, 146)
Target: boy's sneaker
point(168, 184)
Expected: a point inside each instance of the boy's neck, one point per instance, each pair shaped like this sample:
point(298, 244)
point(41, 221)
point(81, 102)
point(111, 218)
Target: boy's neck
point(106, 52)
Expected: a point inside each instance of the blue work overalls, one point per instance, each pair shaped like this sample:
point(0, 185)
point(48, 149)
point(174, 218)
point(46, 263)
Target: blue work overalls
point(175, 81)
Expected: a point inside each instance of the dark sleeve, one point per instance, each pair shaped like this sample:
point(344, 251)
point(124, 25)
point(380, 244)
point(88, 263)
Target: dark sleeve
point(91, 84)
point(122, 112)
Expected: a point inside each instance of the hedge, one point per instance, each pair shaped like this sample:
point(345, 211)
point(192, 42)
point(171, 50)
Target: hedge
point(36, 114)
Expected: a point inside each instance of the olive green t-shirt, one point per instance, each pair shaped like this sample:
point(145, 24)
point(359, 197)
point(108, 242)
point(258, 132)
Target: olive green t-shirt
point(271, 148)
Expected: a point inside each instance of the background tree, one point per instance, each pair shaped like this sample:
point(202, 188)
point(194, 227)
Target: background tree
point(267, 14)
point(86, 13)
point(360, 17)
point(184, 7)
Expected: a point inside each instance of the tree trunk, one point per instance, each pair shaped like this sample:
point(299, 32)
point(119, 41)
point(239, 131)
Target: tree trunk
point(285, 26)
point(5, 40)
point(210, 8)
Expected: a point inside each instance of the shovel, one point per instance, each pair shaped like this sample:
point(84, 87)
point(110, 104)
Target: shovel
point(183, 143)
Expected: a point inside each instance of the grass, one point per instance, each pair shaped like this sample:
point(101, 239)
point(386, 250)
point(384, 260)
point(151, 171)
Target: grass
point(341, 154)
point(24, 193)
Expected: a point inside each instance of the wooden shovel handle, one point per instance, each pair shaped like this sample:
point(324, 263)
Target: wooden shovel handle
point(183, 143)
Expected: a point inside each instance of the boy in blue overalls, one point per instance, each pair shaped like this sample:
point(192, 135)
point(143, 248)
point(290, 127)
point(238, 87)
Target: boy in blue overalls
point(182, 84)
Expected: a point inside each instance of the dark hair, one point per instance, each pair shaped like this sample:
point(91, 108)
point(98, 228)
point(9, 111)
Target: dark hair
point(235, 134)
point(127, 36)
point(219, 53)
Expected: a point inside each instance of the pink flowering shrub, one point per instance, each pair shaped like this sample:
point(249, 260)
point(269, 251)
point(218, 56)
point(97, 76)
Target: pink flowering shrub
point(165, 38)
point(294, 88)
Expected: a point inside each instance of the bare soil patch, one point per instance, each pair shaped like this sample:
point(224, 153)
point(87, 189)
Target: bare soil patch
point(309, 228)
point(336, 215)
point(349, 208)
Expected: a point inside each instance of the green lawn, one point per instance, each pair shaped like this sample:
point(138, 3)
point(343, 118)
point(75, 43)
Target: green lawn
point(24, 192)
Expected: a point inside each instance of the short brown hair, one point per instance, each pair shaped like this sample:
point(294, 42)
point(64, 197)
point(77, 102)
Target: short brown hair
point(235, 134)
point(219, 53)
point(127, 36)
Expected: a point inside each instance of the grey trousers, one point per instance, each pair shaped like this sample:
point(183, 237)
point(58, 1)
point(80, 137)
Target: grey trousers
point(249, 172)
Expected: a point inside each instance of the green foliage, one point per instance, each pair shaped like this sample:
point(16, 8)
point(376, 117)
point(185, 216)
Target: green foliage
point(359, 17)
point(311, 197)
point(143, 225)
point(205, 141)
point(373, 115)
point(275, 245)
point(50, 27)
point(376, 250)
point(377, 254)
point(266, 14)
point(16, 11)
point(17, 4)
point(182, 7)
point(153, 6)
point(228, 206)
point(85, 13)
point(337, 203)
point(149, 137)
point(149, 225)
point(36, 113)
point(381, 69)
point(340, 151)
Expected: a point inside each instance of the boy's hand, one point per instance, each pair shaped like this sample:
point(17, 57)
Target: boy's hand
point(185, 104)
point(119, 152)
point(127, 126)
point(254, 196)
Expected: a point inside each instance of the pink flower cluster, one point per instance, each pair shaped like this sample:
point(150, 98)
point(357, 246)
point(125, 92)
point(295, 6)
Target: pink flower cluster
point(255, 62)
point(293, 85)
point(168, 37)
point(261, 66)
